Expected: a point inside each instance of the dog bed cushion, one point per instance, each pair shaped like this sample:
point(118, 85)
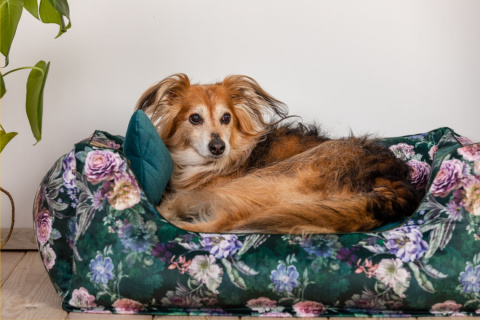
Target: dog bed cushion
point(107, 250)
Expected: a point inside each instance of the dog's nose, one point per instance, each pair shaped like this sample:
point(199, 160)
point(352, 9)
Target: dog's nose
point(216, 146)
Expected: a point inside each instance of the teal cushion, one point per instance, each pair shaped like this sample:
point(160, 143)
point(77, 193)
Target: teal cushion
point(149, 157)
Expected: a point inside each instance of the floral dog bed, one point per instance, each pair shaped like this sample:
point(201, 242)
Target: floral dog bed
point(107, 250)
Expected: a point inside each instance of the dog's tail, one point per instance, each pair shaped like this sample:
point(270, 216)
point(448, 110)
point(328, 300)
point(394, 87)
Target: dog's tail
point(387, 202)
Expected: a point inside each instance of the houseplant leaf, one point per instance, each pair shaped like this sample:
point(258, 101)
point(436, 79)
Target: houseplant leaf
point(5, 137)
point(32, 7)
point(3, 88)
point(11, 11)
point(34, 103)
point(53, 11)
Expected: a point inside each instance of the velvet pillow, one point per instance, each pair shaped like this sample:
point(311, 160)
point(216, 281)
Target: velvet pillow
point(149, 157)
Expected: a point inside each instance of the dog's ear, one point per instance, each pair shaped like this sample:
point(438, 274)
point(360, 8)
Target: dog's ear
point(256, 107)
point(158, 102)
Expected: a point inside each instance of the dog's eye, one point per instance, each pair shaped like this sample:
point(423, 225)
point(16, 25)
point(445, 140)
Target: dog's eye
point(226, 118)
point(195, 119)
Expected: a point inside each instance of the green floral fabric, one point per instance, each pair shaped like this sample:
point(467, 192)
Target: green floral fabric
point(106, 249)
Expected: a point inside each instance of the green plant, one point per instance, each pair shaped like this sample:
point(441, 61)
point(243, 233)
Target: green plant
point(48, 11)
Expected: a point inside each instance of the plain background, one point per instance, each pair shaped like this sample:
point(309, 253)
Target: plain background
point(389, 68)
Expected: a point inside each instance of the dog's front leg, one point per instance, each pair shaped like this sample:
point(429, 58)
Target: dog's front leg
point(187, 207)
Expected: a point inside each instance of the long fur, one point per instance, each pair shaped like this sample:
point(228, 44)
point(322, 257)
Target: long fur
point(274, 176)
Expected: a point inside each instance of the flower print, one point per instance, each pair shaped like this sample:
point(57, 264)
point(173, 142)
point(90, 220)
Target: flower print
point(365, 302)
point(49, 256)
point(69, 167)
point(176, 299)
point(181, 264)
point(263, 304)
point(471, 152)
point(454, 210)
point(99, 197)
point(44, 226)
point(205, 270)
point(348, 255)
point(464, 140)
point(420, 171)
point(470, 279)
point(72, 231)
point(81, 298)
point(284, 278)
point(369, 268)
point(446, 308)
point(432, 151)
point(125, 192)
point(308, 308)
point(392, 273)
point(102, 165)
point(321, 246)
point(139, 238)
point(112, 144)
point(101, 269)
point(403, 151)
point(161, 251)
point(221, 246)
point(127, 306)
point(476, 167)
point(406, 243)
point(472, 196)
point(448, 178)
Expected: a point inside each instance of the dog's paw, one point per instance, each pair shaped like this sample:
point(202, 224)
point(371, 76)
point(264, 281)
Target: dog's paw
point(186, 207)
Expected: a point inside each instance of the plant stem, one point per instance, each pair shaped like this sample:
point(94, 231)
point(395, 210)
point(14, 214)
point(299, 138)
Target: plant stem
point(23, 68)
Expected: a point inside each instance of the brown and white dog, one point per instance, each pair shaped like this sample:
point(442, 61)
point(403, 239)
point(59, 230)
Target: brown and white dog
point(239, 168)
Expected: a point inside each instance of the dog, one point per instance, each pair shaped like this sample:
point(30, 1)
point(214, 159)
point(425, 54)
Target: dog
point(240, 167)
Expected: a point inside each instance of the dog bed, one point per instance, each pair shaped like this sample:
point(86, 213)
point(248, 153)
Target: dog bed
point(107, 250)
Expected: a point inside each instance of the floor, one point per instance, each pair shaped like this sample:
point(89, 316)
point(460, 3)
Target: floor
point(27, 293)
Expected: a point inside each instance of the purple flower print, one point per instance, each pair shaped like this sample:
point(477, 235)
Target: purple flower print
point(470, 279)
point(101, 269)
point(69, 167)
point(448, 178)
point(406, 243)
point(285, 279)
point(321, 246)
point(44, 226)
point(420, 171)
point(137, 239)
point(348, 255)
point(162, 251)
point(221, 246)
point(102, 165)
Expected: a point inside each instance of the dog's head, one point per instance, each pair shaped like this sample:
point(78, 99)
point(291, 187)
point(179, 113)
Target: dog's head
point(218, 122)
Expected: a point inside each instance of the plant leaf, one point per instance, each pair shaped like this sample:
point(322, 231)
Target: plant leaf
point(421, 278)
point(435, 238)
point(430, 271)
point(4, 89)
point(5, 138)
point(34, 104)
point(11, 11)
point(243, 268)
point(53, 11)
point(233, 275)
point(32, 7)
